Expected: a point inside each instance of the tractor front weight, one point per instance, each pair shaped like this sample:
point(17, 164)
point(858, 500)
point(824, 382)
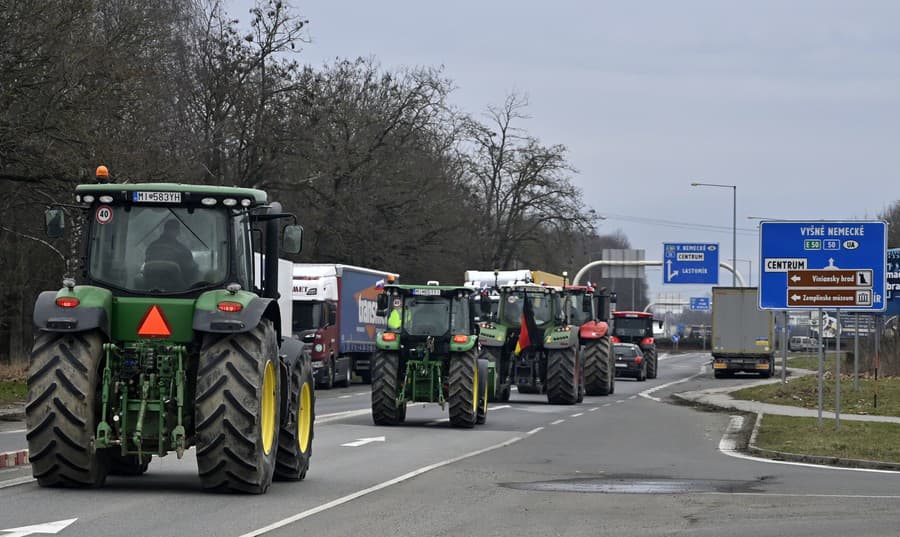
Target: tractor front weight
point(143, 394)
point(424, 381)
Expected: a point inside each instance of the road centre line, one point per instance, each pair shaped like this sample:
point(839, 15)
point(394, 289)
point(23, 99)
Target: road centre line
point(344, 396)
point(499, 407)
point(633, 397)
point(325, 418)
point(557, 422)
point(608, 404)
point(578, 414)
point(620, 401)
point(536, 429)
point(16, 431)
point(360, 493)
point(593, 409)
point(16, 481)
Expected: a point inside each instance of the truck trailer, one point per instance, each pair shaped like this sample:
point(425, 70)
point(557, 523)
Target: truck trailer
point(743, 336)
point(334, 314)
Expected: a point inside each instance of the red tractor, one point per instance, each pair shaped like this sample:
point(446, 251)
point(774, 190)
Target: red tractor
point(588, 308)
point(637, 327)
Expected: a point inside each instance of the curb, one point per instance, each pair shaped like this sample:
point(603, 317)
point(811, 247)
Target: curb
point(753, 449)
point(14, 412)
point(14, 458)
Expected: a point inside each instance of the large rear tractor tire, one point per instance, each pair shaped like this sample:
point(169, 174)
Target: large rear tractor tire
point(295, 437)
point(598, 367)
point(562, 376)
point(385, 389)
point(485, 391)
point(464, 389)
point(63, 410)
point(652, 360)
point(237, 410)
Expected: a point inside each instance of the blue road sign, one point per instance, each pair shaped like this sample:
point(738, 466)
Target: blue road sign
point(892, 293)
point(830, 265)
point(691, 263)
point(699, 303)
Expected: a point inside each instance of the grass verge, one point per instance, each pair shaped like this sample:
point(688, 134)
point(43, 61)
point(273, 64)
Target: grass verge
point(855, 440)
point(12, 383)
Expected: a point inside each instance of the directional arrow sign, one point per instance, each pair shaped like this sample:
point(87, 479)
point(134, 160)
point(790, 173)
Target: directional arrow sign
point(691, 263)
point(50, 528)
point(825, 264)
point(355, 443)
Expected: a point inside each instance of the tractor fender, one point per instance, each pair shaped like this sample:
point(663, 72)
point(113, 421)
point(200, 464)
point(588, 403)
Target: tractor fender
point(92, 312)
point(560, 339)
point(291, 357)
point(253, 309)
point(593, 330)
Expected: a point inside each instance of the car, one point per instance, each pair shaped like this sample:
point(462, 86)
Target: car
point(630, 361)
point(803, 344)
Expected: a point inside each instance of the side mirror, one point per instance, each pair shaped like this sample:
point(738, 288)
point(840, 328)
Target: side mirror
point(292, 242)
point(309, 338)
point(332, 317)
point(55, 223)
point(381, 305)
point(586, 303)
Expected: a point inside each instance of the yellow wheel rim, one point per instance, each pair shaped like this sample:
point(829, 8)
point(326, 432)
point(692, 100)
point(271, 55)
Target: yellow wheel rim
point(475, 389)
point(268, 408)
point(304, 417)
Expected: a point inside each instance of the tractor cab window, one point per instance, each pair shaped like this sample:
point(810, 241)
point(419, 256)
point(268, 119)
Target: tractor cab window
point(574, 310)
point(426, 315)
point(632, 327)
point(159, 249)
point(513, 304)
point(459, 316)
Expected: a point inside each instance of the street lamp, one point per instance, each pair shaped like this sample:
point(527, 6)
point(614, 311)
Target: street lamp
point(733, 226)
point(749, 270)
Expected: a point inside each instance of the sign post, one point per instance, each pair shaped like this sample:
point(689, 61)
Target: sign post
point(837, 371)
point(821, 364)
point(692, 263)
point(784, 350)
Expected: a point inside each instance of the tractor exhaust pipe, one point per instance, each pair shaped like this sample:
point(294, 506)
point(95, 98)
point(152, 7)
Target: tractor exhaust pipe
point(270, 267)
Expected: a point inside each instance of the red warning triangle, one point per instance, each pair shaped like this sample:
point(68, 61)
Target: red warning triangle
point(154, 324)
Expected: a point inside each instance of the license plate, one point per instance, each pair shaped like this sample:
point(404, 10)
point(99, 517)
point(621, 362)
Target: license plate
point(157, 197)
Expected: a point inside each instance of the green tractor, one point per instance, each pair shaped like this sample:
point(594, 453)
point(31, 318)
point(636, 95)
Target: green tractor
point(169, 344)
point(428, 353)
point(531, 343)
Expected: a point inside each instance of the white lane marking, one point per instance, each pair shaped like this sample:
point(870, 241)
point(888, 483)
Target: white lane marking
point(344, 396)
point(789, 495)
point(633, 397)
point(15, 431)
point(499, 407)
point(47, 528)
point(557, 422)
point(536, 429)
point(360, 393)
point(646, 393)
point(728, 446)
point(16, 481)
point(364, 441)
point(579, 414)
point(325, 418)
point(438, 422)
point(608, 404)
point(358, 494)
point(620, 401)
point(593, 409)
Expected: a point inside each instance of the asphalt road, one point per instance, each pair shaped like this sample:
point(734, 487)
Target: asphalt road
point(620, 465)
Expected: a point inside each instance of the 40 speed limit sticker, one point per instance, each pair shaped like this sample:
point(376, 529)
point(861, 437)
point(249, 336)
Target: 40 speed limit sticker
point(104, 214)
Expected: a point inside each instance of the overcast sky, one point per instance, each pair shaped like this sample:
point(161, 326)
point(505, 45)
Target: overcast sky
point(796, 103)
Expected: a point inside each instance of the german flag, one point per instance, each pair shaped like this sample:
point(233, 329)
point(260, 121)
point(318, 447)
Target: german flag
point(529, 330)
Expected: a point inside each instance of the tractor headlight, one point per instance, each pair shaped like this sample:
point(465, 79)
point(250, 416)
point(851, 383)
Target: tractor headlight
point(319, 347)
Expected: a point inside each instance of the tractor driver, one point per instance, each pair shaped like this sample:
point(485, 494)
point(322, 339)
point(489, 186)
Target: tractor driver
point(168, 248)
